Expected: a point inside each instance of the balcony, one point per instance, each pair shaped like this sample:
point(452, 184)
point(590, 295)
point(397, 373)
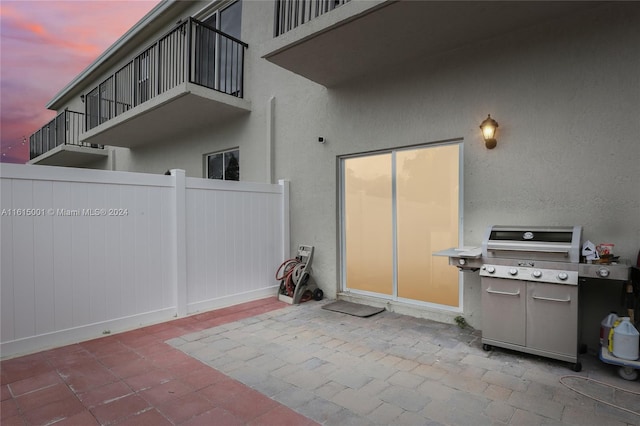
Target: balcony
point(191, 77)
point(292, 13)
point(58, 143)
point(350, 39)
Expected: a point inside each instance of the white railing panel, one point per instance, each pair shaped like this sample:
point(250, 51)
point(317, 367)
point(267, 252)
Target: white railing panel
point(43, 262)
point(81, 248)
point(7, 310)
point(71, 267)
point(89, 251)
point(23, 270)
point(234, 240)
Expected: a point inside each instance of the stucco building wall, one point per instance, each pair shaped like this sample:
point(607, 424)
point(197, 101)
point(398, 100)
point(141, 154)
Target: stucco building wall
point(566, 95)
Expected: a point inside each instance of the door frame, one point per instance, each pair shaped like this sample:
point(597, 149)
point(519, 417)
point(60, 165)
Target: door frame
point(341, 237)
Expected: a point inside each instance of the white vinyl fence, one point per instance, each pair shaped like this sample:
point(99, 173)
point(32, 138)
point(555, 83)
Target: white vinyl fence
point(89, 252)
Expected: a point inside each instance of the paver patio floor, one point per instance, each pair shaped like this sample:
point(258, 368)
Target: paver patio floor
point(134, 378)
point(392, 369)
point(266, 362)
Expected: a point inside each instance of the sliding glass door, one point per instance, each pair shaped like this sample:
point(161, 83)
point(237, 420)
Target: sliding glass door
point(398, 208)
point(367, 220)
point(219, 58)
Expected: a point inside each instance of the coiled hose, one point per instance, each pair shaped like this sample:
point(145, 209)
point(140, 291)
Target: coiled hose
point(291, 271)
point(588, 379)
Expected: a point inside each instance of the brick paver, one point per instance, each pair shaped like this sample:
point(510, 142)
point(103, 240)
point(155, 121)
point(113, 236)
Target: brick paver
point(135, 378)
point(339, 369)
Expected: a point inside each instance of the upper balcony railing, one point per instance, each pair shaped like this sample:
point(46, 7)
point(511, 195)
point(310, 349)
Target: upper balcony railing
point(65, 129)
point(192, 52)
point(291, 13)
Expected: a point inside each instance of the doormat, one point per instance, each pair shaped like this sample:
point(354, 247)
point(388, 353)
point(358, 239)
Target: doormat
point(351, 308)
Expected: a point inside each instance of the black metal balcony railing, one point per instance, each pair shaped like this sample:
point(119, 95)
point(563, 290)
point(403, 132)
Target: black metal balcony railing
point(291, 13)
point(193, 51)
point(65, 129)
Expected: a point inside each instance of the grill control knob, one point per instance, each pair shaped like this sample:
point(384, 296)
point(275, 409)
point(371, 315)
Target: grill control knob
point(491, 269)
point(603, 272)
point(513, 271)
point(462, 262)
point(537, 274)
point(562, 276)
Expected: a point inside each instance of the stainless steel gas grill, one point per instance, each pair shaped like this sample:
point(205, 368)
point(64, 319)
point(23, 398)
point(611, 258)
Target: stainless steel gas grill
point(530, 277)
point(529, 282)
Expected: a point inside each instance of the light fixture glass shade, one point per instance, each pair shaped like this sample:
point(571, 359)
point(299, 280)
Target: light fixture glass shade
point(488, 127)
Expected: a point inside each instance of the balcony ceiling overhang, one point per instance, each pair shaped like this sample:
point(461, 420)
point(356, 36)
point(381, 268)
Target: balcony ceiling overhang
point(168, 116)
point(70, 156)
point(359, 36)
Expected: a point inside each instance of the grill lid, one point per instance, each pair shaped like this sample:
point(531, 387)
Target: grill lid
point(549, 243)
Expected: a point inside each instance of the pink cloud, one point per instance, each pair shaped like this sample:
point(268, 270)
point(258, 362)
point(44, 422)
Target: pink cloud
point(44, 45)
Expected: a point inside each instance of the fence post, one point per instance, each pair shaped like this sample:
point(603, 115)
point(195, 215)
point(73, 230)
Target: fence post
point(286, 230)
point(179, 246)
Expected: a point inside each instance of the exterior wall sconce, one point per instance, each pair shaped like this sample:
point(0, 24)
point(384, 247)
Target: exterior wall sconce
point(489, 126)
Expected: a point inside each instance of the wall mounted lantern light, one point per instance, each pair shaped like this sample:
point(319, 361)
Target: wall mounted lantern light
point(489, 126)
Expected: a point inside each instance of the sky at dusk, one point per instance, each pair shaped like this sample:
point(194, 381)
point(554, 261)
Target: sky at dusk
point(43, 46)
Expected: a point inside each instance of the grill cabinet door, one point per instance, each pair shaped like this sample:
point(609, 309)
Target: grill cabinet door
point(552, 318)
point(503, 310)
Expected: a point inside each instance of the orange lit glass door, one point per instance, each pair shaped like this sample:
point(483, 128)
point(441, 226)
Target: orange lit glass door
point(367, 223)
point(398, 208)
point(427, 208)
